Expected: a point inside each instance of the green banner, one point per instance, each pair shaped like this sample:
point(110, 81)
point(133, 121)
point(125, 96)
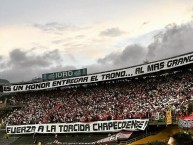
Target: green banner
point(64, 74)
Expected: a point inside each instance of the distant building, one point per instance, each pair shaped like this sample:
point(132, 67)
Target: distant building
point(4, 82)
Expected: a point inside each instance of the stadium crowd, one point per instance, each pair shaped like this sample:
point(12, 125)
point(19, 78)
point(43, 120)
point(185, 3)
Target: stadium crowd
point(139, 97)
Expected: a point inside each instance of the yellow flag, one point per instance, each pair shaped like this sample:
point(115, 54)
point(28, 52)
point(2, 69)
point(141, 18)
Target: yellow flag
point(169, 117)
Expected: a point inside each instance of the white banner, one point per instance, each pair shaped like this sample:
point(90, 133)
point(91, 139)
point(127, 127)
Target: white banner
point(104, 76)
point(114, 138)
point(99, 126)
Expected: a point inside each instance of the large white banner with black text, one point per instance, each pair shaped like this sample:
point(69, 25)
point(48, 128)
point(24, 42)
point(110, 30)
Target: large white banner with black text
point(98, 126)
point(104, 76)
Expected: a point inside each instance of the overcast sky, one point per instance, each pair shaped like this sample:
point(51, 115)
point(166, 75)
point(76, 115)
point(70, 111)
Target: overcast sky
point(42, 36)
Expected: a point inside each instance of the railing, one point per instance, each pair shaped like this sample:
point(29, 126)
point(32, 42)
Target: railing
point(140, 137)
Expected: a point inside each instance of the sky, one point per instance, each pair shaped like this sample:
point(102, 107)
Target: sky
point(43, 36)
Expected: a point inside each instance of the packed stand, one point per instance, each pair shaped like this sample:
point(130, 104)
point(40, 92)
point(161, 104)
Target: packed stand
point(114, 100)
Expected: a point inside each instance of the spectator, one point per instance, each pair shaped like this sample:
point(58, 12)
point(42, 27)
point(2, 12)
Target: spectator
point(180, 139)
